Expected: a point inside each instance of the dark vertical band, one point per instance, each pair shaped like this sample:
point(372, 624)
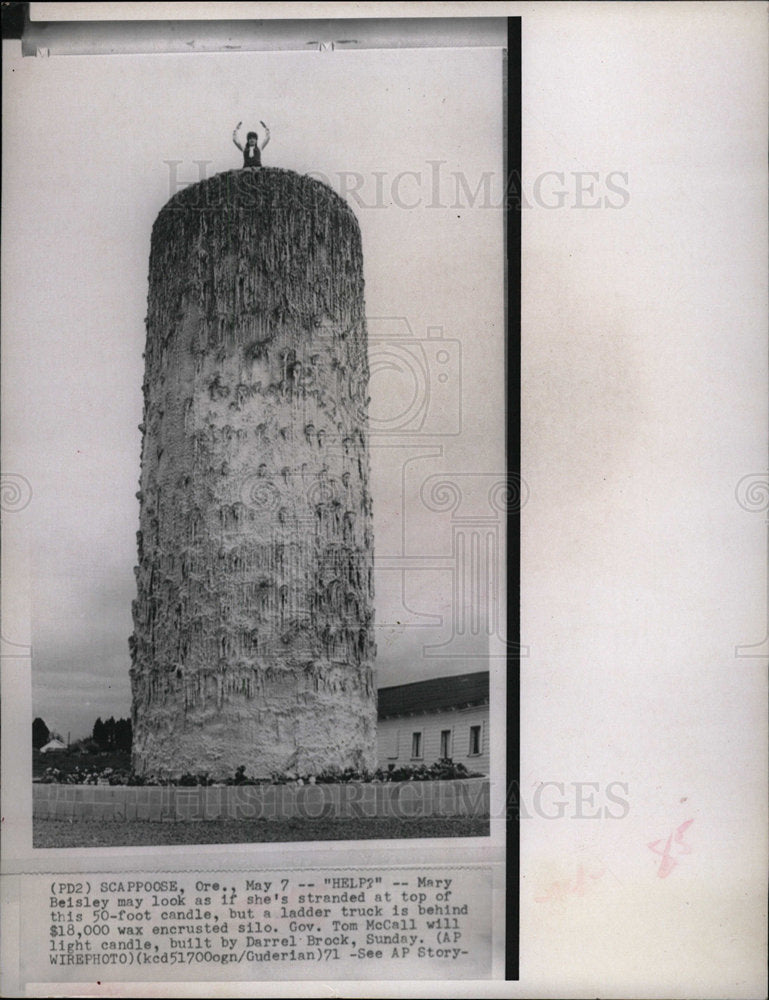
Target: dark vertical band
point(513, 454)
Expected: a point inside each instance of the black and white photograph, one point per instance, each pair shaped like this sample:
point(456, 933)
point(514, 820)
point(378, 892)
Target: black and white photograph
point(384, 488)
point(280, 301)
point(265, 484)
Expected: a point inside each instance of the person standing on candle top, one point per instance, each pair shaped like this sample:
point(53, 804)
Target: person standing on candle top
point(252, 153)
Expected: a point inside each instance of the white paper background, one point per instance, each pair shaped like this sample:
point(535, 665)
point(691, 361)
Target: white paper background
point(644, 381)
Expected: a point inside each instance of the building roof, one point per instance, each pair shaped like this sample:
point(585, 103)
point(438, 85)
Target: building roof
point(440, 693)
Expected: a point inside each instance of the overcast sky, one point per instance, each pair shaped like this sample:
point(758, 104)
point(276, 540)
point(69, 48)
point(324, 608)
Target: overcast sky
point(89, 151)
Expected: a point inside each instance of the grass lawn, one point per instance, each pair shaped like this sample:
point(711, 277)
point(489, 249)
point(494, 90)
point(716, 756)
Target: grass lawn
point(116, 833)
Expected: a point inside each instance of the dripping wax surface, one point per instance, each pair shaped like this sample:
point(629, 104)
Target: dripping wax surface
point(253, 623)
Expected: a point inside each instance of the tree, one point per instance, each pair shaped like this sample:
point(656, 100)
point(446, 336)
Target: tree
point(39, 733)
point(123, 734)
point(112, 734)
point(98, 732)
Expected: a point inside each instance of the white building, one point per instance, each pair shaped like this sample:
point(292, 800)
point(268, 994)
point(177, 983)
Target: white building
point(444, 717)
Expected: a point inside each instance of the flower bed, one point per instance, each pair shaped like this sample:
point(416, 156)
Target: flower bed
point(441, 770)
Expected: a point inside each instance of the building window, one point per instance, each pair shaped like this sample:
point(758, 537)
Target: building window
point(475, 741)
point(416, 745)
point(445, 743)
